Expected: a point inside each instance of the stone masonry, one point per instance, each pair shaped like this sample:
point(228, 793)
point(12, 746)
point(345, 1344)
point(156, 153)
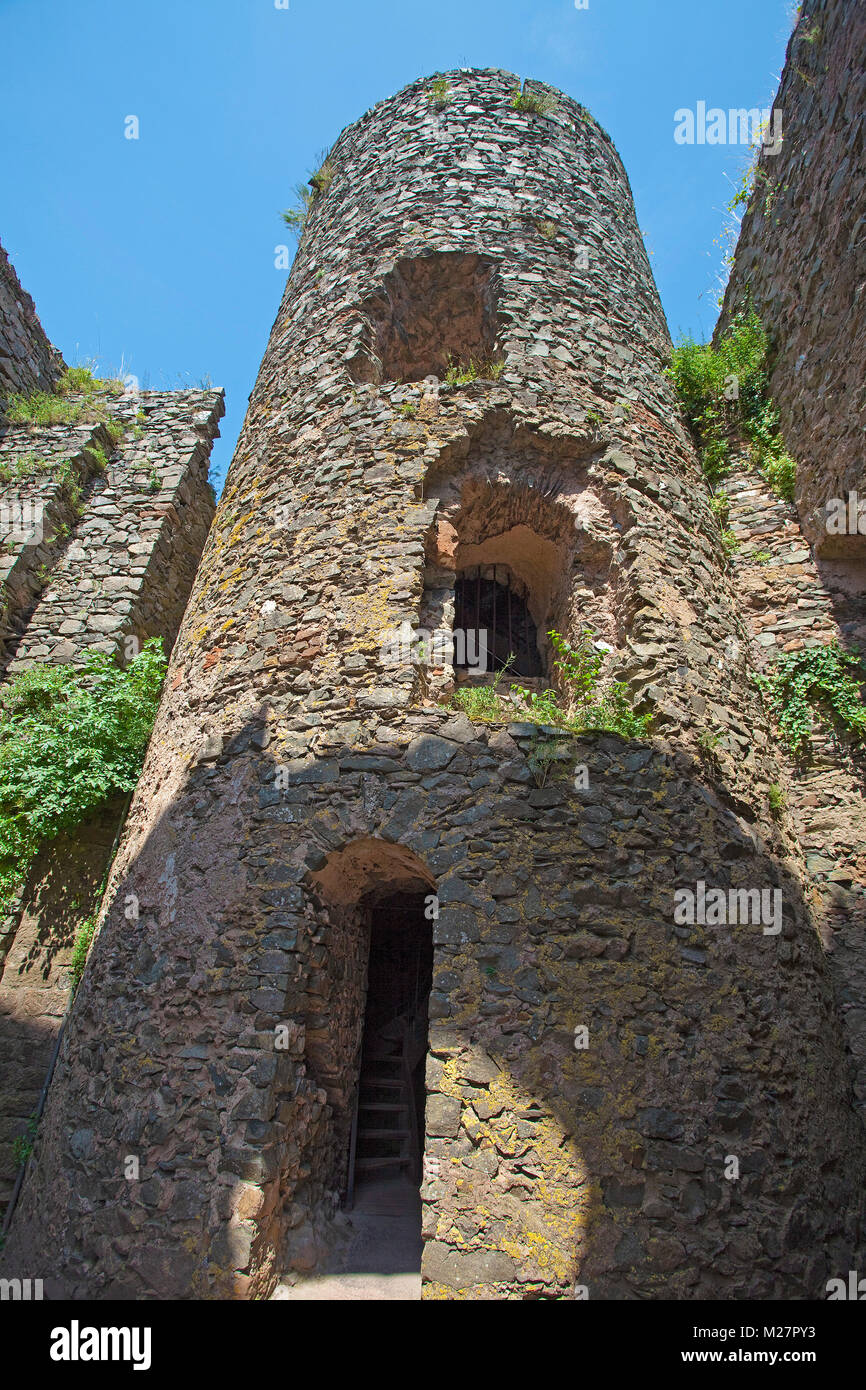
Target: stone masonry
point(800, 257)
point(28, 362)
point(101, 544)
point(790, 600)
point(296, 777)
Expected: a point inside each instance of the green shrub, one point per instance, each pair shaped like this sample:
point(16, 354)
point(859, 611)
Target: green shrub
point(22, 1144)
point(44, 408)
point(30, 465)
point(613, 713)
point(538, 706)
point(83, 941)
point(322, 179)
point(588, 707)
point(308, 194)
point(754, 177)
point(724, 393)
point(54, 407)
point(81, 379)
point(296, 216)
point(98, 457)
point(544, 753)
point(69, 478)
point(579, 664)
point(581, 706)
point(546, 226)
point(476, 369)
point(776, 800)
point(708, 744)
point(780, 470)
point(439, 93)
point(531, 103)
point(481, 702)
point(69, 739)
point(25, 466)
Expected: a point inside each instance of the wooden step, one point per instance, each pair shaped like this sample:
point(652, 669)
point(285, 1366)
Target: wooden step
point(383, 1134)
point(380, 1105)
point(369, 1163)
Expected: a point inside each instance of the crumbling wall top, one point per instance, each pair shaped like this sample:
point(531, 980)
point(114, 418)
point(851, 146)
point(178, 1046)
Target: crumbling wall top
point(28, 362)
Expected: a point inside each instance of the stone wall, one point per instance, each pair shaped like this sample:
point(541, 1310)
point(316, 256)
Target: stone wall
point(39, 510)
point(28, 362)
point(293, 765)
point(125, 565)
point(800, 255)
point(548, 1165)
point(36, 945)
point(792, 600)
point(101, 540)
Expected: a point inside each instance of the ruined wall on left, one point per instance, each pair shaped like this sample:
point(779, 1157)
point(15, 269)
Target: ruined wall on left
point(92, 556)
point(35, 955)
point(28, 362)
point(122, 561)
point(103, 518)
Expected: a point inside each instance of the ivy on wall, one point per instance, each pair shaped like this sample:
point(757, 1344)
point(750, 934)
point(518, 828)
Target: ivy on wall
point(821, 683)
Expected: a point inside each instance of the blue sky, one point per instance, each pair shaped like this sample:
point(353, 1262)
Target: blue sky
point(158, 253)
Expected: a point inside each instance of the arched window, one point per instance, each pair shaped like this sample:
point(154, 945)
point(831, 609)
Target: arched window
point(521, 547)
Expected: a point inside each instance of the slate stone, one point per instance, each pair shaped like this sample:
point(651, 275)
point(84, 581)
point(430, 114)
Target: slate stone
point(443, 1115)
point(428, 753)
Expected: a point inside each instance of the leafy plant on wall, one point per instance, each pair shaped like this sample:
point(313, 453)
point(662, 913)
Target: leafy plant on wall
point(817, 684)
point(70, 738)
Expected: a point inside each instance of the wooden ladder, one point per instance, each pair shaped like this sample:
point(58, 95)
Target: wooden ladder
point(385, 1126)
point(385, 1107)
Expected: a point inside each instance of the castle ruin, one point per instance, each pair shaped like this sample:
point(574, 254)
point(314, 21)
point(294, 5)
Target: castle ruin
point(372, 934)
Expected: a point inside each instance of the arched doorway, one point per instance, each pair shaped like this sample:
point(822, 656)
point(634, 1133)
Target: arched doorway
point(387, 1136)
point(371, 1059)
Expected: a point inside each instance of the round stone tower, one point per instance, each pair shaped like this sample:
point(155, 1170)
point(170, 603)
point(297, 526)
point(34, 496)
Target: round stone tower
point(335, 886)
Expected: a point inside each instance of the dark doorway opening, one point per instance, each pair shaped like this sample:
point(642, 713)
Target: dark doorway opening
point(492, 614)
point(387, 1139)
